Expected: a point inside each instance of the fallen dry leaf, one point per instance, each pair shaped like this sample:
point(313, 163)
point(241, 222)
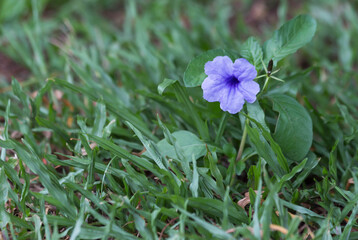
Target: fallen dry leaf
point(246, 200)
point(92, 145)
point(349, 183)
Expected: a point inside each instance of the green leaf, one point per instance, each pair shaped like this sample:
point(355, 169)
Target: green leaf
point(293, 130)
point(47, 178)
point(333, 161)
point(17, 89)
point(89, 195)
point(256, 223)
point(37, 222)
point(6, 125)
point(309, 166)
point(166, 83)
point(178, 150)
point(217, 233)
point(301, 210)
point(291, 36)
point(118, 110)
point(141, 226)
point(122, 153)
point(293, 172)
point(39, 96)
point(222, 127)
point(100, 120)
point(213, 166)
point(194, 185)
point(151, 148)
point(183, 97)
point(10, 9)
point(212, 207)
point(255, 111)
point(188, 141)
point(348, 228)
point(194, 75)
point(251, 50)
point(272, 153)
point(4, 187)
point(54, 127)
point(345, 53)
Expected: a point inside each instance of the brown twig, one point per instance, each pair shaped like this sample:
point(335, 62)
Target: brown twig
point(165, 227)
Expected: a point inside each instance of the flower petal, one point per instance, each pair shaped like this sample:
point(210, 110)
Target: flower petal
point(221, 65)
point(232, 100)
point(243, 70)
point(213, 86)
point(249, 89)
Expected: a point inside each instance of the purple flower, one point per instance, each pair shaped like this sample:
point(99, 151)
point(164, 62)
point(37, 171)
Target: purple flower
point(230, 83)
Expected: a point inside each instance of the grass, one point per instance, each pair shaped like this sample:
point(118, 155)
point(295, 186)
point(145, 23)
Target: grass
point(101, 140)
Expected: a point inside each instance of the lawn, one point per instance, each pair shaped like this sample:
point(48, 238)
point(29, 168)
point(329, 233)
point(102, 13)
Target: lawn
point(178, 119)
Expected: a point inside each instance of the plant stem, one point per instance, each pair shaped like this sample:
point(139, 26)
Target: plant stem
point(241, 149)
point(221, 127)
point(242, 143)
point(264, 87)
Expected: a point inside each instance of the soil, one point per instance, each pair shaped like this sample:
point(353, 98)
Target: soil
point(9, 68)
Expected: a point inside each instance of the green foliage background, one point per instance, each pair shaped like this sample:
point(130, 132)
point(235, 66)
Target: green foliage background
point(104, 80)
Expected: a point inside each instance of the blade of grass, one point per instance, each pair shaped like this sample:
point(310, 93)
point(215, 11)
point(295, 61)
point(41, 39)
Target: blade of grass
point(118, 110)
point(183, 97)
